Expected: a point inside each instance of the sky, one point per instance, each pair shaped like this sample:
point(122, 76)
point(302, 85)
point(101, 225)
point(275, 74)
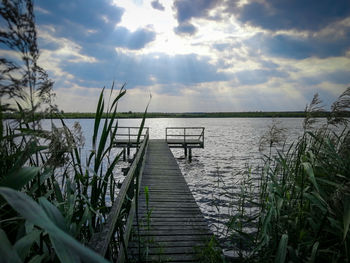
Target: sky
point(196, 55)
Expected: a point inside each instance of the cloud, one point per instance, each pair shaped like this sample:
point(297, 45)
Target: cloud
point(258, 76)
point(157, 5)
point(90, 23)
point(145, 70)
point(185, 29)
point(187, 9)
point(336, 77)
point(122, 37)
point(226, 66)
point(91, 14)
point(222, 46)
point(296, 14)
point(82, 21)
point(299, 47)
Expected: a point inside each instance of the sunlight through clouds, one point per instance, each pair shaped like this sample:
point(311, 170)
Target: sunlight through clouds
point(202, 55)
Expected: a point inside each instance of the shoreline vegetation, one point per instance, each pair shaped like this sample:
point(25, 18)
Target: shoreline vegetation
point(139, 115)
point(301, 203)
point(53, 200)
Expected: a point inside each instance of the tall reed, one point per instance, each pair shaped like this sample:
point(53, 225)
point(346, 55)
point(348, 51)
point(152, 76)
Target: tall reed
point(51, 197)
point(303, 198)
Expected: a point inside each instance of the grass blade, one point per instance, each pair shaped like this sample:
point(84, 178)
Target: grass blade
point(98, 116)
point(7, 252)
point(31, 211)
point(24, 244)
point(143, 121)
point(314, 252)
point(53, 213)
point(37, 259)
point(17, 180)
point(311, 176)
point(346, 217)
point(282, 249)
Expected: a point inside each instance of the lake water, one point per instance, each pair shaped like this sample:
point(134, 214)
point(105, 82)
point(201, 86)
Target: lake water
point(231, 145)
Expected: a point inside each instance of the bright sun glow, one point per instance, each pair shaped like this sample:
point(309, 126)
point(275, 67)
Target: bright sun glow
point(233, 51)
point(142, 15)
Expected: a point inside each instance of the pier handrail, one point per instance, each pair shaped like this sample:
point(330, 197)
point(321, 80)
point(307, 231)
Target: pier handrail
point(122, 211)
point(129, 134)
point(200, 136)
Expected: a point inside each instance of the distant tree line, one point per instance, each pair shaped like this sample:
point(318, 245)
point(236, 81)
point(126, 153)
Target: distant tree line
point(260, 114)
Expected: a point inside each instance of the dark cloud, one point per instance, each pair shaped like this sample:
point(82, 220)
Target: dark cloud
point(287, 46)
point(258, 76)
point(132, 40)
point(186, 9)
point(82, 21)
point(185, 29)
point(89, 13)
point(296, 14)
point(157, 5)
point(222, 46)
point(167, 70)
point(268, 64)
point(337, 77)
point(90, 22)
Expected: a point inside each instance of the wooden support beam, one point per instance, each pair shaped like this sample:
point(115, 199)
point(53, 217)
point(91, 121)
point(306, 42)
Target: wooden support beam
point(124, 154)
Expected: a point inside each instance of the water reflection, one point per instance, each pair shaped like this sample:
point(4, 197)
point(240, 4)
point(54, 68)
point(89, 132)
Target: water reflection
point(231, 144)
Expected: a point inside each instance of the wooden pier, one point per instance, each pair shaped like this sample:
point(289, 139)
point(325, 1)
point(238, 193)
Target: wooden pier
point(154, 217)
point(172, 227)
point(187, 138)
point(128, 137)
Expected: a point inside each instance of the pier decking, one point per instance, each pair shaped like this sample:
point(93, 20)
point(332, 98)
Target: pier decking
point(154, 217)
point(172, 226)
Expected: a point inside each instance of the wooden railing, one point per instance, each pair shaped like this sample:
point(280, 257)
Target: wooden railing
point(112, 241)
point(129, 134)
point(185, 134)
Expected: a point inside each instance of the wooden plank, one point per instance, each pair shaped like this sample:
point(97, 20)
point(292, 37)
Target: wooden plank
point(157, 205)
point(154, 250)
point(182, 220)
point(176, 222)
point(170, 244)
point(187, 238)
point(171, 258)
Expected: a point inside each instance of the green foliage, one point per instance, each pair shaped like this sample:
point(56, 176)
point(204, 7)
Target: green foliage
point(210, 252)
point(302, 200)
point(63, 199)
point(52, 201)
point(48, 218)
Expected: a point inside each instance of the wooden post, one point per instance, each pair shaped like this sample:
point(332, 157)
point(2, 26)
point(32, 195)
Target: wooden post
point(190, 154)
point(124, 154)
point(185, 148)
point(128, 151)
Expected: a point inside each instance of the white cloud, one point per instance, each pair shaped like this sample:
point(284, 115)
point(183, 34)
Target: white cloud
point(75, 98)
point(221, 43)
